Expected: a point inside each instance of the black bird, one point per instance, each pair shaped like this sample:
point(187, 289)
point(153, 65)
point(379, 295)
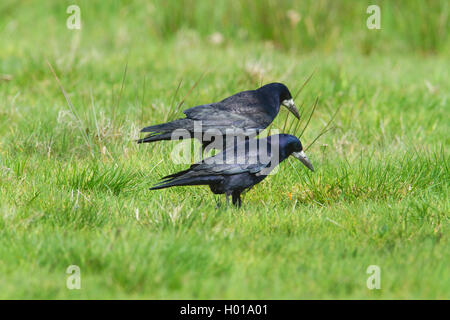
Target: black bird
point(249, 111)
point(239, 168)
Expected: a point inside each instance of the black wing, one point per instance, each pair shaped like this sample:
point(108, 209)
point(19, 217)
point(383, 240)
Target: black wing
point(213, 169)
point(245, 110)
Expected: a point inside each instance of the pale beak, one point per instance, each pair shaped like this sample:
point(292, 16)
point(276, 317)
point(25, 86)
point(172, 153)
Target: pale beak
point(304, 159)
point(290, 105)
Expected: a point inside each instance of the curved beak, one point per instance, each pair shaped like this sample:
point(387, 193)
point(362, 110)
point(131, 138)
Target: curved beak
point(304, 159)
point(290, 105)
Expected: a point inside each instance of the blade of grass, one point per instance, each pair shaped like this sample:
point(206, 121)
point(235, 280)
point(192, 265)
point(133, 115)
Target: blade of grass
point(299, 121)
point(174, 111)
point(143, 99)
point(292, 123)
point(176, 92)
point(325, 129)
point(285, 122)
point(304, 84)
point(310, 116)
point(190, 90)
point(121, 91)
point(72, 109)
point(318, 136)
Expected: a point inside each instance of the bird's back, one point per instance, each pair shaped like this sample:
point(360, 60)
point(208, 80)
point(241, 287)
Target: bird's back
point(247, 109)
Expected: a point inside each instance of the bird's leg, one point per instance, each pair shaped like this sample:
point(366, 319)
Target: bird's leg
point(217, 202)
point(236, 198)
point(202, 151)
point(228, 198)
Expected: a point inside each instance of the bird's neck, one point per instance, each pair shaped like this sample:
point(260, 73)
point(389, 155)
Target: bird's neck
point(278, 149)
point(273, 102)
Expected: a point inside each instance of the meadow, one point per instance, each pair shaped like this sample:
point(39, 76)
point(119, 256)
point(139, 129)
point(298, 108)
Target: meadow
point(74, 184)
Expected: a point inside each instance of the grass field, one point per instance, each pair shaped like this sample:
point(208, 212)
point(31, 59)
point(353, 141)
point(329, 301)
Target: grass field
point(74, 185)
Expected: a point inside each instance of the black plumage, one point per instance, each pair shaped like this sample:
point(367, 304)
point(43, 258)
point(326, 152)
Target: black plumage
point(239, 168)
point(249, 112)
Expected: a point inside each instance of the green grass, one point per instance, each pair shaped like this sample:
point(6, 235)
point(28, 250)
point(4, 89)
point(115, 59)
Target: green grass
point(74, 185)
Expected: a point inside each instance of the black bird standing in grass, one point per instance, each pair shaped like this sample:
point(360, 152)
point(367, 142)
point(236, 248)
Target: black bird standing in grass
point(239, 168)
point(250, 111)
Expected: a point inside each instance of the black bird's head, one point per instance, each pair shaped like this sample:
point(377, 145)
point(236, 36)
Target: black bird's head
point(283, 95)
point(291, 145)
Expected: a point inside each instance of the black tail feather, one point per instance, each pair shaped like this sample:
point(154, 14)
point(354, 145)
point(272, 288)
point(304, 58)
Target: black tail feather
point(189, 181)
point(178, 174)
point(164, 131)
point(155, 137)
